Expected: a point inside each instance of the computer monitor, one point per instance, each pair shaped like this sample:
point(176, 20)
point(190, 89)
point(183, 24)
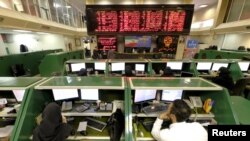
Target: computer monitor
point(204, 65)
point(77, 66)
point(65, 94)
point(117, 66)
point(244, 66)
point(171, 95)
point(100, 65)
point(90, 94)
point(19, 94)
point(144, 95)
point(217, 66)
point(175, 65)
point(140, 67)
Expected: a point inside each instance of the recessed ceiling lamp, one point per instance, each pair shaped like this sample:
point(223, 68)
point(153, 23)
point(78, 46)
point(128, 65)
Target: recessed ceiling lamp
point(203, 5)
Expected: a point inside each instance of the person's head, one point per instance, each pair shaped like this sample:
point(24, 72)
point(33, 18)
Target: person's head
point(82, 72)
point(223, 71)
point(179, 110)
point(128, 71)
point(167, 72)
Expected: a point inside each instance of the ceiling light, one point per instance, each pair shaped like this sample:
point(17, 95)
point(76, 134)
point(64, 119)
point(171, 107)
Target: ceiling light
point(203, 5)
point(68, 6)
point(24, 31)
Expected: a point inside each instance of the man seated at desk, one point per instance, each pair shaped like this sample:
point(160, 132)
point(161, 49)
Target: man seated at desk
point(178, 112)
point(224, 78)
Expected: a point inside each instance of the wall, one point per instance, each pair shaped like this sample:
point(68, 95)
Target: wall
point(2, 47)
point(34, 42)
point(233, 41)
point(205, 13)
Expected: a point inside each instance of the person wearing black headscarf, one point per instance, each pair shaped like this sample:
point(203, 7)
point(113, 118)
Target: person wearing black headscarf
point(224, 78)
point(167, 72)
point(53, 126)
point(82, 72)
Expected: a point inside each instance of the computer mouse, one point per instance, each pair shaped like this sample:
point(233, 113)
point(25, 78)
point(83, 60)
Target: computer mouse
point(141, 133)
point(84, 133)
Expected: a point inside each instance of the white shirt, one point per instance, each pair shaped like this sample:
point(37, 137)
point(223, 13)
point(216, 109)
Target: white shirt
point(181, 131)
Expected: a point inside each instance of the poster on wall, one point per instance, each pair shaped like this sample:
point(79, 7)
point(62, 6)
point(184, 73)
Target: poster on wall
point(168, 45)
point(106, 43)
point(138, 41)
point(191, 49)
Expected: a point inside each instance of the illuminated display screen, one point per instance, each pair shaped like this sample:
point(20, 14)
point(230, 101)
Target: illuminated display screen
point(107, 43)
point(138, 41)
point(131, 19)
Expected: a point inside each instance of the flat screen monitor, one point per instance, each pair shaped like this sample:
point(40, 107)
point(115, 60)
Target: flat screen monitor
point(204, 65)
point(19, 94)
point(244, 66)
point(144, 95)
point(90, 94)
point(171, 95)
point(140, 67)
point(117, 66)
point(65, 94)
point(175, 65)
point(100, 65)
point(138, 41)
point(77, 66)
point(217, 66)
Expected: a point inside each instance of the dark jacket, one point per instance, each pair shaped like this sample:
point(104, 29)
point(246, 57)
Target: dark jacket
point(51, 127)
point(224, 79)
point(116, 125)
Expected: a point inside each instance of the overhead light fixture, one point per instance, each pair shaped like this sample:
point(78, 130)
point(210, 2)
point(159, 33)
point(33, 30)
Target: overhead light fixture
point(24, 31)
point(203, 5)
point(68, 6)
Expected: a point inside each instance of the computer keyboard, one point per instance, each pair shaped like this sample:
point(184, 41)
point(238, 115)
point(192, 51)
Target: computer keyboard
point(148, 125)
point(95, 124)
point(156, 109)
point(81, 108)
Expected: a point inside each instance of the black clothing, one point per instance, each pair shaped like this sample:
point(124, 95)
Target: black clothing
point(167, 72)
point(225, 81)
point(51, 127)
point(82, 72)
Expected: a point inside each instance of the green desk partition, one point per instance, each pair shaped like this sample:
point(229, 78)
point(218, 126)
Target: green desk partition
point(110, 88)
point(30, 60)
point(160, 64)
point(21, 85)
point(194, 86)
point(53, 64)
point(89, 64)
point(222, 54)
point(241, 108)
point(130, 62)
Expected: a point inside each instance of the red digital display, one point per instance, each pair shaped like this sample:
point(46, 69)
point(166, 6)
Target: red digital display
point(107, 43)
point(139, 19)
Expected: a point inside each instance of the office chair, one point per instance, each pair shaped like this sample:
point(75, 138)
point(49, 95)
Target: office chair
point(240, 86)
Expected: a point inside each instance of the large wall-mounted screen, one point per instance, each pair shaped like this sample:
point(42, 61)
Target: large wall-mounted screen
point(138, 41)
point(139, 19)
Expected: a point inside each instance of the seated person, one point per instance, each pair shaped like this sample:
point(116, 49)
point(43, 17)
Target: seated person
point(82, 72)
point(128, 71)
point(167, 72)
point(224, 78)
point(53, 126)
point(179, 130)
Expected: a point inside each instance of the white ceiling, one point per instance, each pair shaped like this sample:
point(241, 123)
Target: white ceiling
point(197, 3)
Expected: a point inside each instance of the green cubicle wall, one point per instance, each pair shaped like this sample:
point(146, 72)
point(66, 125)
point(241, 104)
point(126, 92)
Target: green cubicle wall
point(42, 94)
point(20, 85)
point(30, 60)
point(53, 64)
point(222, 110)
point(215, 54)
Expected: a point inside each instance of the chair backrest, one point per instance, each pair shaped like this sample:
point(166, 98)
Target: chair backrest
point(240, 85)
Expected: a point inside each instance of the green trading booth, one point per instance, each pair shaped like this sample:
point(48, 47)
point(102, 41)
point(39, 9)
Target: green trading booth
point(94, 67)
point(222, 54)
point(111, 90)
point(221, 112)
point(205, 67)
point(140, 67)
point(53, 64)
point(15, 90)
point(177, 66)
